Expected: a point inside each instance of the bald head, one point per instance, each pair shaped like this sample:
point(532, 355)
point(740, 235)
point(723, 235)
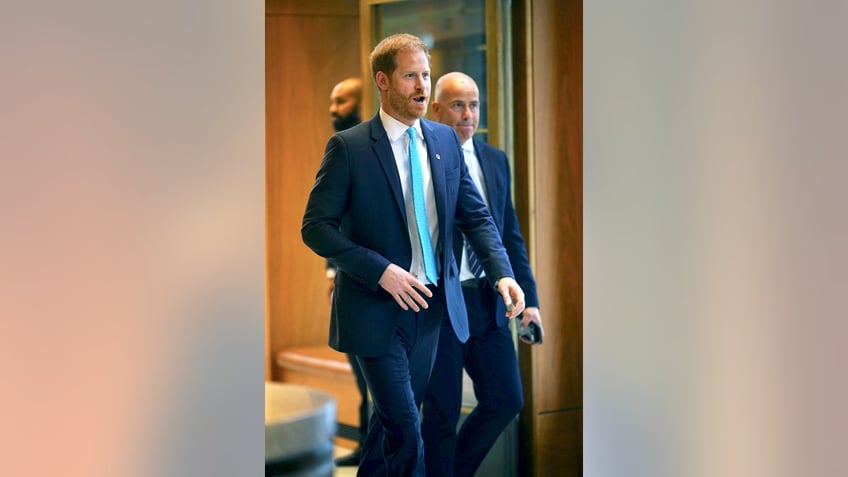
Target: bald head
point(457, 104)
point(344, 103)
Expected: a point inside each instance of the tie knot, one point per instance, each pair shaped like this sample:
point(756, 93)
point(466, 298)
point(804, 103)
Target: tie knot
point(411, 133)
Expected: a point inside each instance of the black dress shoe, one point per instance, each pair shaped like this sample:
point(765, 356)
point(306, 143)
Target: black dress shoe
point(351, 459)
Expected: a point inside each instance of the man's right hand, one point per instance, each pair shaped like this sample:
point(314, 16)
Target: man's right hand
point(405, 288)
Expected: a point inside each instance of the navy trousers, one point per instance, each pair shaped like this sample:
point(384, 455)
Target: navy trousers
point(363, 398)
point(397, 381)
point(489, 357)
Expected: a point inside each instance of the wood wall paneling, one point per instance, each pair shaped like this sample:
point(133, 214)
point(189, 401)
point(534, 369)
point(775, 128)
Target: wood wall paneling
point(558, 135)
point(309, 46)
point(549, 170)
point(312, 8)
point(562, 453)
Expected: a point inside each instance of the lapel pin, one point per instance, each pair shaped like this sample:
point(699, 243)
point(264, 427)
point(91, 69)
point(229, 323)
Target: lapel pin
point(438, 157)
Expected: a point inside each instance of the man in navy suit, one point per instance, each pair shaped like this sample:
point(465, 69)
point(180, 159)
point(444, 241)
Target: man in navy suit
point(489, 354)
point(386, 200)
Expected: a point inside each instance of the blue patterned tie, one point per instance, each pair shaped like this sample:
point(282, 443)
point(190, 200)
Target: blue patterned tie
point(473, 263)
point(419, 205)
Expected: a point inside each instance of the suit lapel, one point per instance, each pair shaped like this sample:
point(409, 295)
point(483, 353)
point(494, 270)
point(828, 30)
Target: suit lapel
point(386, 158)
point(490, 178)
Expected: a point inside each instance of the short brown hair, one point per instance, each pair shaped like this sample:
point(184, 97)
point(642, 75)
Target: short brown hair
point(383, 56)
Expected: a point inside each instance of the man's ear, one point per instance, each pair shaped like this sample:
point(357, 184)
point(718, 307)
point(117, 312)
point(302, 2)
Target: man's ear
point(382, 81)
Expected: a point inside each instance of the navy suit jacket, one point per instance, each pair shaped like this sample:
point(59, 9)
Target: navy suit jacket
point(496, 175)
point(355, 216)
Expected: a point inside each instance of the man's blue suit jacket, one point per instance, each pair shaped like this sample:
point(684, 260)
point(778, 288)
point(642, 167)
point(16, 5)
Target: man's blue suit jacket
point(497, 177)
point(355, 216)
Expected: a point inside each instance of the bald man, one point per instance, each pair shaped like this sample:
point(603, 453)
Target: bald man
point(344, 103)
point(489, 354)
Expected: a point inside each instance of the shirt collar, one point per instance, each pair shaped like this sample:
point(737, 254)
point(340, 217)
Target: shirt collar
point(468, 146)
point(395, 129)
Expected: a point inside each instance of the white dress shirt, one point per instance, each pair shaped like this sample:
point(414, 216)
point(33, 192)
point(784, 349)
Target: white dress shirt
point(399, 140)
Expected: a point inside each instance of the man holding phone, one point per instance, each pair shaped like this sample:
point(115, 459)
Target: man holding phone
point(489, 354)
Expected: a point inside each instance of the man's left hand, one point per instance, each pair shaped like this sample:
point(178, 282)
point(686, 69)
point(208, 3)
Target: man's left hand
point(531, 313)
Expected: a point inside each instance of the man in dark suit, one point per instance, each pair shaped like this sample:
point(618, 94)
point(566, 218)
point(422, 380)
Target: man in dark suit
point(383, 208)
point(489, 354)
point(344, 111)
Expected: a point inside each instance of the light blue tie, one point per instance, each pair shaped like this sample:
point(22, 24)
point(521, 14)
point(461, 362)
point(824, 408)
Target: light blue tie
point(420, 207)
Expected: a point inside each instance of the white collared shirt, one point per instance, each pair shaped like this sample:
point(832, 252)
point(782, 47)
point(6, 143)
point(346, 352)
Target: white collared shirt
point(399, 140)
point(476, 173)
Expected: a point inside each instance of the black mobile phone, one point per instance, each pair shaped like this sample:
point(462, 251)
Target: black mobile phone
point(532, 332)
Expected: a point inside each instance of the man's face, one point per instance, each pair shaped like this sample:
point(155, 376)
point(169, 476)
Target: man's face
point(344, 108)
point(408, 88)
point(459, 107)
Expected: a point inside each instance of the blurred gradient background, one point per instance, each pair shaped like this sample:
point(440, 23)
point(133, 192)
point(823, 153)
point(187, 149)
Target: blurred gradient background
point(132, 238)
point(132, 227)
point(715, 232)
